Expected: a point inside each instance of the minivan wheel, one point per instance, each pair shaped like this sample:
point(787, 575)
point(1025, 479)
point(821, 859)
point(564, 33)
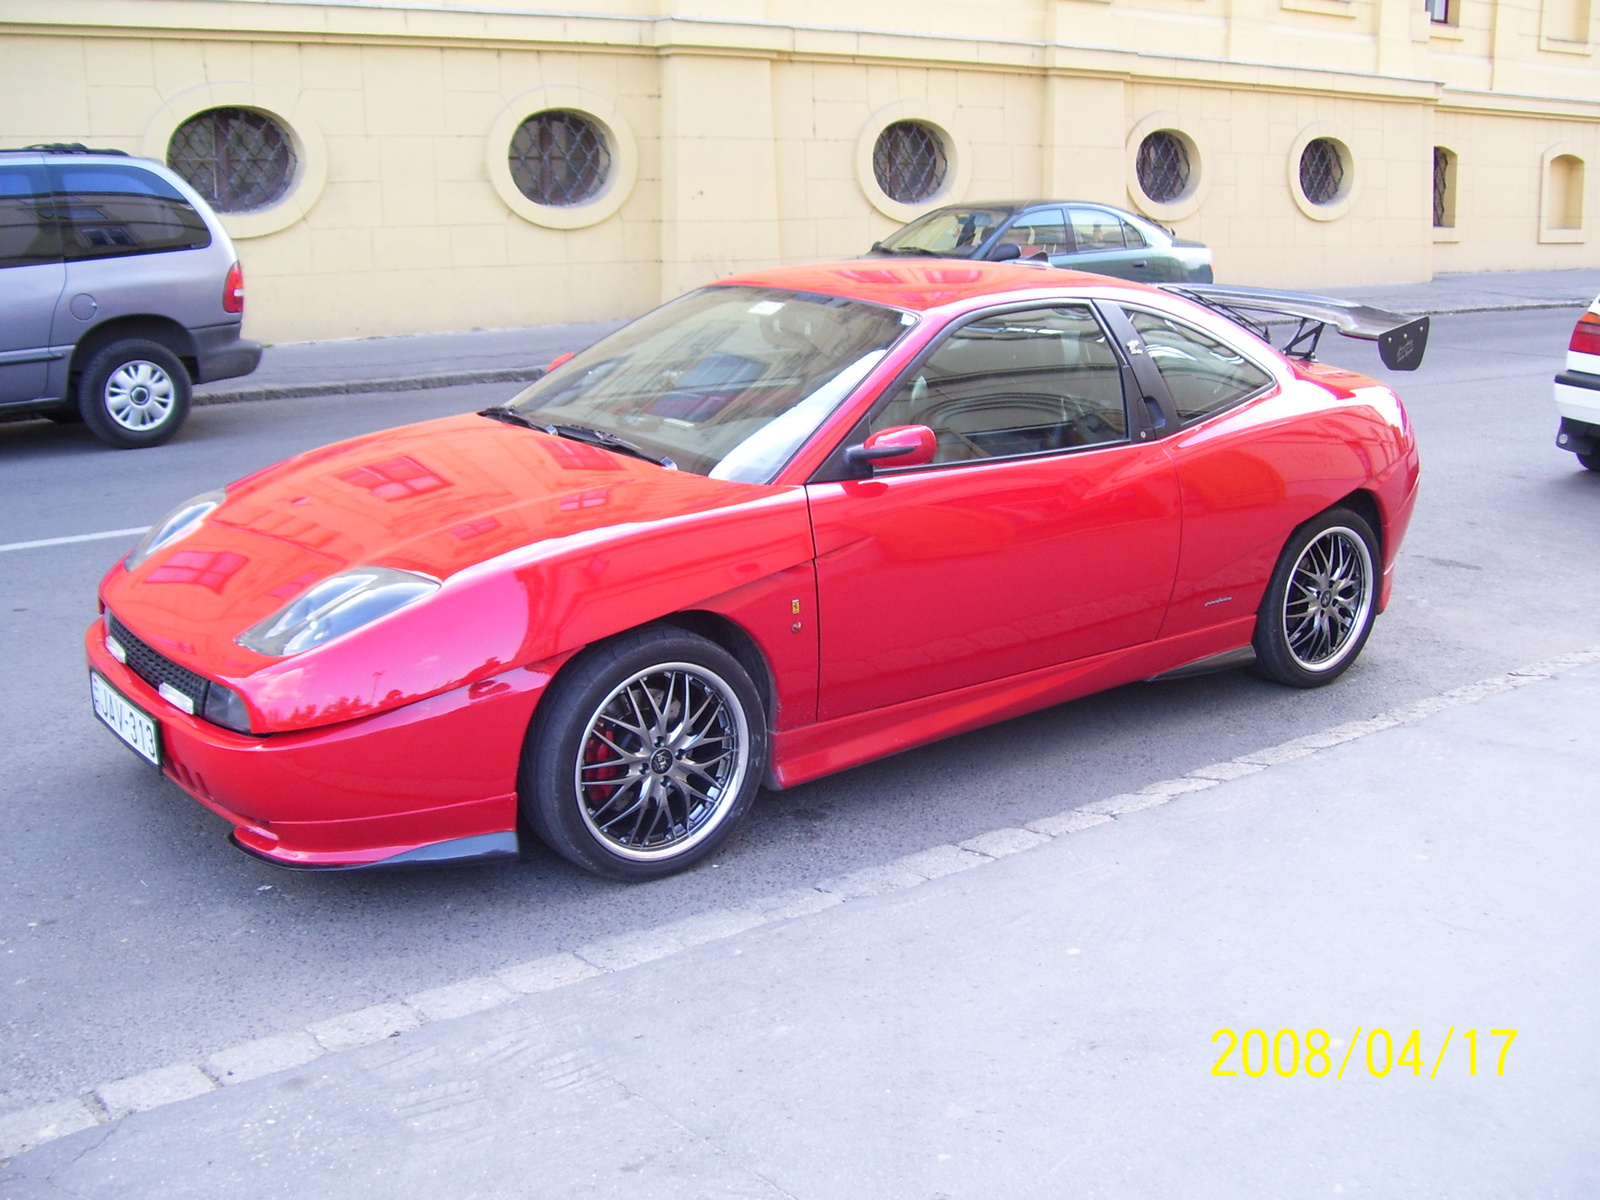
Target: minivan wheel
point(645, 755)
point(134, 393)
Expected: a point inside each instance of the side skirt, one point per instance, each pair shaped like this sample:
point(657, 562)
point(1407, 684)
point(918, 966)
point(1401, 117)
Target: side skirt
point(1209, 665)
point(812, 751)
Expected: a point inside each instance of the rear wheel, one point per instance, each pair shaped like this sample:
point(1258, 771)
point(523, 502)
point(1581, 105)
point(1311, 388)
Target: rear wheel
point(1321, 601)
point(645, 756)
point(134, 393)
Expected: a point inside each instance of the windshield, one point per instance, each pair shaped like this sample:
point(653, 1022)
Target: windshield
point(949, 232)
point(726, 381)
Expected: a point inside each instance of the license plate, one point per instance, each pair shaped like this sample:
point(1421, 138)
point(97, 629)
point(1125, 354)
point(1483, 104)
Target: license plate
point(126, 720)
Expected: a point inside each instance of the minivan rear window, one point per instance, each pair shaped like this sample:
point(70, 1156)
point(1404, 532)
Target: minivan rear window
point(28, 234)
point(108, 210)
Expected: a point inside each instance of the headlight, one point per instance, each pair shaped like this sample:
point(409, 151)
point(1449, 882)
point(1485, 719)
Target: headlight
point(176, 525)
point(334, 607)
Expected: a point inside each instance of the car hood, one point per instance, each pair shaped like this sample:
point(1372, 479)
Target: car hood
point(436, 498)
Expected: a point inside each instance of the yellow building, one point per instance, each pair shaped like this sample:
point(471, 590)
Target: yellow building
point(394, 166)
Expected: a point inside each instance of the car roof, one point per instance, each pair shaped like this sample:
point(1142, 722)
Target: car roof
point(925, 284)
point(1019, 205)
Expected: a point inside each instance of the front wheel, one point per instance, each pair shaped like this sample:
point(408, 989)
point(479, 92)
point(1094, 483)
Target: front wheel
point(645, 756)
point(1321, 601)
point(134, 393)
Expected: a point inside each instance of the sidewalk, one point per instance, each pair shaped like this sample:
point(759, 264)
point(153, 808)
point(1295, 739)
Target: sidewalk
point(429, 360)
point(403, 364)
point(1489, 291)
point(1044, 1025)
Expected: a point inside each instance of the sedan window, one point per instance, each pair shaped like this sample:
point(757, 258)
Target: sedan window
point(1097, 229)
point(1015, 383)
point(1042, 232)
point(1203, 374)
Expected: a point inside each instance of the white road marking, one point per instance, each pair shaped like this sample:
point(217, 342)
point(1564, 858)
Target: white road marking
point(77, 537)
point(23, 1130)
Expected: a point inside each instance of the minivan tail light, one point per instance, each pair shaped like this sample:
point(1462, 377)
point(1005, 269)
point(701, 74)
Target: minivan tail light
point(233, 290)
point(1586, 334)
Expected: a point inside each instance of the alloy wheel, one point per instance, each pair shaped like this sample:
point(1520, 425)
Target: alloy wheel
point(661, 761)
point(1328, 599)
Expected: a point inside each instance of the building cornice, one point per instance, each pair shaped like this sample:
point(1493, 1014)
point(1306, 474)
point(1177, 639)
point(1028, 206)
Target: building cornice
point(393, 22)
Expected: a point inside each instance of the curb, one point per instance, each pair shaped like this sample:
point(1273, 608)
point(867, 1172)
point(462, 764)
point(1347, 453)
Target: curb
point(108, 1102)
point(361, 387)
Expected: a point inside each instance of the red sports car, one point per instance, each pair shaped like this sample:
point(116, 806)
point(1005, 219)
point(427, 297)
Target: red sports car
point(778, 527)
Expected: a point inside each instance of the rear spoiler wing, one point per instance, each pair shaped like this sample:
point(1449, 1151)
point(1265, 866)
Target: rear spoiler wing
point(1401, 339)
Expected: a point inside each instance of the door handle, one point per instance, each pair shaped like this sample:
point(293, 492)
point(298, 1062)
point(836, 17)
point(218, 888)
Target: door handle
point(1142, 263)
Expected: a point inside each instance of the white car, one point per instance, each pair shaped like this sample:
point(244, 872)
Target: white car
point(1578, 391)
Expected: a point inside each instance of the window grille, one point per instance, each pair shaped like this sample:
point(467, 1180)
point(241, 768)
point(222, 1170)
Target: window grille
point(1163, 166)
point(559, 158)
point(1322, 171)
point(237, 159)
point(909, 162)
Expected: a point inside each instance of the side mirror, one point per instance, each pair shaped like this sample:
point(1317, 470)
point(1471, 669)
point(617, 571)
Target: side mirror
point(557, 361)
point(1005, 252)
point(900, 446)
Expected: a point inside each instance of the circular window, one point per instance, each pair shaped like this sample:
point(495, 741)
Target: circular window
point(909, 162)
point(240, 160)
point(1322, 171)
point(559, 158)
point(1163, 166)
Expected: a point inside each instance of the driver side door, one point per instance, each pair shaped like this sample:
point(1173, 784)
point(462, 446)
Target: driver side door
point(1045, 530)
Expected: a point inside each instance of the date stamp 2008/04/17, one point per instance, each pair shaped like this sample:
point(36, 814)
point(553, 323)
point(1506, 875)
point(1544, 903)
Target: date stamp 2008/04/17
point(1286, 1053)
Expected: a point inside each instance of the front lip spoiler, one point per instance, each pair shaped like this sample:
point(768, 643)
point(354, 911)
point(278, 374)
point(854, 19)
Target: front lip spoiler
point(456, 852)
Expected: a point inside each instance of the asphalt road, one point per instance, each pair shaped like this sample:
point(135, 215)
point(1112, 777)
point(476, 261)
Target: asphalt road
point(132, 936)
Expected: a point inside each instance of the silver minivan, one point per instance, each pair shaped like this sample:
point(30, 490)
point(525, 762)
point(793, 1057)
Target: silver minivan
point(119, 290)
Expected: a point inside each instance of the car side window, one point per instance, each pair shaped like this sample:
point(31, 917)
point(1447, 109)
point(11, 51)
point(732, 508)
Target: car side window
point(108, 210)
point(28, 233)
point(1131, 236)
point(1015, 383)
point(1041, 232)
point(1097, 229)
point(1203, 375)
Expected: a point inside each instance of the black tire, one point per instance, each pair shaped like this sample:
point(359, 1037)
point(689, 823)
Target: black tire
point(1591, 462)
point(669, 801)
point(1321, 601)
point(133, 394)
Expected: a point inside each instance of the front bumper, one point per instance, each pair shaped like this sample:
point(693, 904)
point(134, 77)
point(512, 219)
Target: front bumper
point(432, 783)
